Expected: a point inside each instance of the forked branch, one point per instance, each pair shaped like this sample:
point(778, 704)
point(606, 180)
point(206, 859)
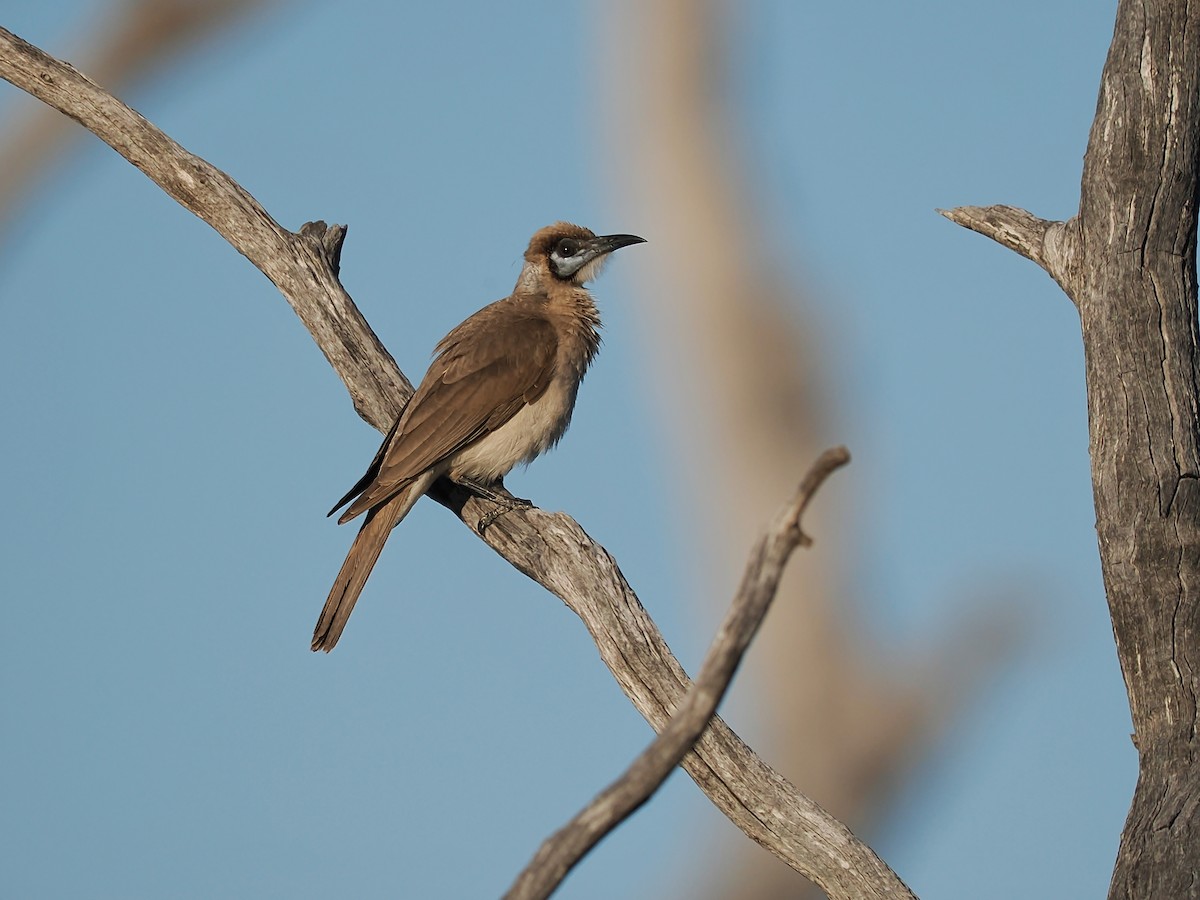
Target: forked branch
point(550, 548)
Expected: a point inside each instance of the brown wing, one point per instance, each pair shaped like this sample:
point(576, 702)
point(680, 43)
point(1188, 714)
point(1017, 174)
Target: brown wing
point(486, 370)
point(372, 469)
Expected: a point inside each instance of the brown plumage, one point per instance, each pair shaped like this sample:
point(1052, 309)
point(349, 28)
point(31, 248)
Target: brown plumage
point(499, 391)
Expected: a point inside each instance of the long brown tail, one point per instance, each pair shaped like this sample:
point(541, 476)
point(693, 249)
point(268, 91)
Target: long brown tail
point(364, 552)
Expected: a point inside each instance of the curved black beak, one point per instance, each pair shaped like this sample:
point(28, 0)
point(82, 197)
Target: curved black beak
point(607, 243)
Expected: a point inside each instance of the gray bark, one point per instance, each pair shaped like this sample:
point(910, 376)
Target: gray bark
point(1128, 261)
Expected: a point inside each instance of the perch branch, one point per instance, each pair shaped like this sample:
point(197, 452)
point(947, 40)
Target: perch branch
point(135, 39)
point(550, 548)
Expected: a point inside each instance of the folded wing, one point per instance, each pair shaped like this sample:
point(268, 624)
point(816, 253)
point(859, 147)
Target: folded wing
point(465, 395)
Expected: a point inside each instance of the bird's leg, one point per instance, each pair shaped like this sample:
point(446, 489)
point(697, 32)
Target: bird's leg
point(496, 493)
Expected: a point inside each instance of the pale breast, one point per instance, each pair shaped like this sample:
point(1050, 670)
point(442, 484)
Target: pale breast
point(533, 430)
point(538, 426)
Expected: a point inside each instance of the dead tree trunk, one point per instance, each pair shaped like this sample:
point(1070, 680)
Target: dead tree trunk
point(1128, 261)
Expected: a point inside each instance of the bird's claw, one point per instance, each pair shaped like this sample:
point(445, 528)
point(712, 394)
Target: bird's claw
point(507, 505)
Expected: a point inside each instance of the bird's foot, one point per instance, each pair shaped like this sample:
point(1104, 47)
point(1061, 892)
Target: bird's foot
point(493, 515)
point(495, 493)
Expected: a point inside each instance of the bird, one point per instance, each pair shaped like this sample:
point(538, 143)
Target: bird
point(500, 391)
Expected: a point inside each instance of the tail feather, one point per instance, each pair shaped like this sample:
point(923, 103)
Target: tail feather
point(361, 559)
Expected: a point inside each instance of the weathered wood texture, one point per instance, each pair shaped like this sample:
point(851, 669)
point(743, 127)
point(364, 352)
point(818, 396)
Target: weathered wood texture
point(126, 43)
point(550, 548)
point(760, 582)
point(1128, 261)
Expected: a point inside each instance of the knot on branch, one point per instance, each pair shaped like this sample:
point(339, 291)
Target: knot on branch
point(327, 240)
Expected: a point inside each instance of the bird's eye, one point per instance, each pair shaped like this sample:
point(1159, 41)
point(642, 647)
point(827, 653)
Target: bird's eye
point(566, 248)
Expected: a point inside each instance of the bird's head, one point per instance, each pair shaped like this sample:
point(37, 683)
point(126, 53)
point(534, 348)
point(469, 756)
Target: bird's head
point(572, 253)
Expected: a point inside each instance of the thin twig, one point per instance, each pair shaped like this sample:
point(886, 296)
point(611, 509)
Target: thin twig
point(566, 847)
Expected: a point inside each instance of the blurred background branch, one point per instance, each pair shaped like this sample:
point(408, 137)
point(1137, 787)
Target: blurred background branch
point(738, 358)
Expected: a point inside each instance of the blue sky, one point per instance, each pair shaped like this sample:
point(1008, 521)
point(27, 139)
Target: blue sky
point(172, 440)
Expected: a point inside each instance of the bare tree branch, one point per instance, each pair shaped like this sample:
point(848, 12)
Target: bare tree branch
point(550, 548)
point(1130, 267)
point(1049, 244)
point(562, 850)
point(138, 37)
